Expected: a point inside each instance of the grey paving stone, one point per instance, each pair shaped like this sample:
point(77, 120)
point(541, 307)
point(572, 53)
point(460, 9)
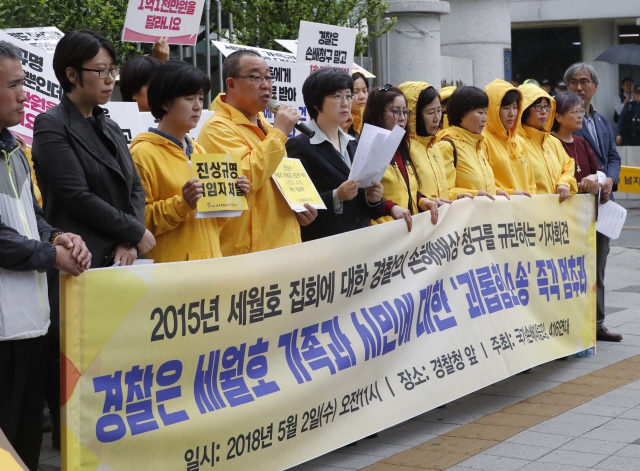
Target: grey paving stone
point(625, 425)
point(517, 450)
point(627, 289)
point(599, 409)
point(564, 429)
point(633, 414)
point(612, 435)
point(630, 451)
point(315, 467)
point(608, 310)
point(620, 463)
point(540, 466)
point(581, 419)
point(522, 388)
point(545, 440)
point(574, 458)
point(617, 393)
point(402, 437)
point(436, 428)
point(373, 447)
point(493, 463)
point(617, 401)
point(600, 447)
point(634, 385)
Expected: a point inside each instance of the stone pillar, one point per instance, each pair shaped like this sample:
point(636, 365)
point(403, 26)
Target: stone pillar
point(411, 49)
point(479, 30)
point(596, 36)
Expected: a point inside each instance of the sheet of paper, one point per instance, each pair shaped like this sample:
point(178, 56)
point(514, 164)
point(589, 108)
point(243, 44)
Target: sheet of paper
point(296, 186)
point(611, 217)
point(374, 158)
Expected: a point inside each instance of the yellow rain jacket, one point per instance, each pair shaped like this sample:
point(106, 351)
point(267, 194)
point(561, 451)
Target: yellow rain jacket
point(551, 164)
point(269, 222)
point(427, 158)
point(357, 120)
point(445, 93)
point(395, 189)
point(505, 149)
point(472, 171)
point(164, 169)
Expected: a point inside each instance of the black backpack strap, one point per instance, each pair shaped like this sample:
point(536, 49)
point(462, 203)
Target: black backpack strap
point(455, 152)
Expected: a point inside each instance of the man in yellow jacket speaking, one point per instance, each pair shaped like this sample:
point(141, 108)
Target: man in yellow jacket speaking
point(238, 127)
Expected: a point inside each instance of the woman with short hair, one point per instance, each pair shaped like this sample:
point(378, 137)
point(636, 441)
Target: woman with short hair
point(134, 79)
point(568, 119)
point(468, 171)
point(163, 159)
point(553, 169)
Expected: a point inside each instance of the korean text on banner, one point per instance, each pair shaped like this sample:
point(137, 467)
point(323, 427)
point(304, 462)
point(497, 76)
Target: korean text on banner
point(40, 85)
point(321, 45)
point(266, 360)
point(45, 38)
point(149, 20)
point(629, 180)
point(219, 176)
point(296, 186)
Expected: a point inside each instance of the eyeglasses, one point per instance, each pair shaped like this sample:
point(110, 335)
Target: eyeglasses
point(340, 98)
point(256, 79)
point(578, 112)
point(398, 114)
point(582, 82)
point(540, 108)
point(104, 73)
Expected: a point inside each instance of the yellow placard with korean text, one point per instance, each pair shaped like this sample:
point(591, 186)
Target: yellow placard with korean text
point(296, 186)
point(629, 181)
point(267, 360)
point(219, 175)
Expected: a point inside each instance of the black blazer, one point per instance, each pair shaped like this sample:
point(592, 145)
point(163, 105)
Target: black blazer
point(327, 171)
point(85, 189)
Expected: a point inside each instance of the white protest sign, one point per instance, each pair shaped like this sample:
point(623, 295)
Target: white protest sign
point(148, 121)
point(267, 54)
point(127, 116)
point(323, 45)
point(292, 46)
point(149, 20)
point(40, 85)
point(43, 38)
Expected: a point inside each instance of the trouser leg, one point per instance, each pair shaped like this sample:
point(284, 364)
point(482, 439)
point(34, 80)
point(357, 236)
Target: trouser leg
point(602, 251)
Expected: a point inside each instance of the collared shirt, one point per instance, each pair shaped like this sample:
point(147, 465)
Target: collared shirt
point(188, 150)
point(318, 138)
point(590, 121)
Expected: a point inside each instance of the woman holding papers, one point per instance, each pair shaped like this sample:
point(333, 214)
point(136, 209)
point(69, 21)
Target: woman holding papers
point(387, 108)
point(84, 168)
point(328, 155)
point(424, 102)
point(553, 169)
point(568, 119)
point(162, 157)
point(465, 153)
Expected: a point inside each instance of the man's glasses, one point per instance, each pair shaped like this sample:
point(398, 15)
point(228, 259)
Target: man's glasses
point(256, 79)
point(582, 82)
point(104, 73)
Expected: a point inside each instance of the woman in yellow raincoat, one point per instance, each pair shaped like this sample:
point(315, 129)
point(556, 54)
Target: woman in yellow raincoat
point(553, 169)
point(505, 149)
point(424, 102)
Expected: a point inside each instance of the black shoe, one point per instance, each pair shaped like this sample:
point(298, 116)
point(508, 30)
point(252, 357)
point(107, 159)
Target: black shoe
point(47, 425)
point(606, 336)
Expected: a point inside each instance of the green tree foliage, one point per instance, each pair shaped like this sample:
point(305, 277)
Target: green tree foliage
point(103, 16)
point(260, 22)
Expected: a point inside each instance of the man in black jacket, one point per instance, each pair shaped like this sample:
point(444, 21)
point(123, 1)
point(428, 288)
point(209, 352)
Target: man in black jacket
point(28, 247)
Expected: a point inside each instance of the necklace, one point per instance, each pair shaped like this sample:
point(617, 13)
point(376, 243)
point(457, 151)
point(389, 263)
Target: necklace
point(571, 150)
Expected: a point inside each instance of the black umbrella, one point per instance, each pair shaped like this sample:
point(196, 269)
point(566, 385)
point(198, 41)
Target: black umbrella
point(623, 54)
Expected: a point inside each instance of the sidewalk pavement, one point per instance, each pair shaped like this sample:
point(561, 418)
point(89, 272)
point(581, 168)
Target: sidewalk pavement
point(573, 415)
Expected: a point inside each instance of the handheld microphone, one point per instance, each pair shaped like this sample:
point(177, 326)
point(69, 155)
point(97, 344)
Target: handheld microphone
point(274, 105)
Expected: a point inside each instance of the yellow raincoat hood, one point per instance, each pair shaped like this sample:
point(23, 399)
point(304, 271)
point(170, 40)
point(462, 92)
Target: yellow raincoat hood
point(412, 92)
point(496, 91)
point(530, 93)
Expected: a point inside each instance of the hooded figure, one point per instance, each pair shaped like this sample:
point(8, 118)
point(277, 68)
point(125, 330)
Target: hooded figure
point(552, 166)
point(505, 149)
point(445, 94)
point(427, 158)
point(164, 168)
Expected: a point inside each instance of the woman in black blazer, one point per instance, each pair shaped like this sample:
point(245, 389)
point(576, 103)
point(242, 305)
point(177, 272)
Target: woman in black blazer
point(327, 157)
point(84, 169)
